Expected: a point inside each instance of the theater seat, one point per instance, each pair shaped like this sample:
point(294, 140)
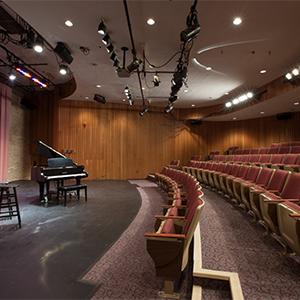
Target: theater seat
point(275, 185)
point(240, 174)
point(289, 224)
point(269, 201)
point(169, 245)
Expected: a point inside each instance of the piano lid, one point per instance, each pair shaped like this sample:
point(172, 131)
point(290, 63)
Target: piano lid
point(47, 151)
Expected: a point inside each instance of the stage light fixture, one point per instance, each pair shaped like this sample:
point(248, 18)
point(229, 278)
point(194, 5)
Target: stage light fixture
point(99, 98)
point(189, 33)
point(156, 80)
point(130, 101)
point(228, 104)
point(134, 65)
point(110, 48)
point(235, 101)
point(249, 95)
point(102, 28)
point(116, 63)
point(243, 98)
point(12, 77)
point(145, 110)
point(173, 98)
point(38, 45)
point(62, 50)
point(106, 39)
point(113, 56)
point(63, 69)
point(169, 108)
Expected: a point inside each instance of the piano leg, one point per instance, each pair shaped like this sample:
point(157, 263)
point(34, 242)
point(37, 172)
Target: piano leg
point(41, 184)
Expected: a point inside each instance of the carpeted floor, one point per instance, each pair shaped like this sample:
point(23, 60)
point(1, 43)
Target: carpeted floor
point(231, 242)
point(57, 244)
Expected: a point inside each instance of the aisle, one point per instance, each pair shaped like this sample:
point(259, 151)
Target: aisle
point(231, 242)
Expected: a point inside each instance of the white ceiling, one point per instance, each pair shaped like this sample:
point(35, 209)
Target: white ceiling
point(270, 29)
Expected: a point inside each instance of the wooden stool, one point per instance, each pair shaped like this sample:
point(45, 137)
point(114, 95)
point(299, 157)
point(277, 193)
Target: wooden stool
point(70, 188)
point(9, 206)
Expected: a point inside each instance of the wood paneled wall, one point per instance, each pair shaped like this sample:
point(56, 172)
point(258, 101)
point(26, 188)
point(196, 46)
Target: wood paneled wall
point(118, 143)
point(261, 132)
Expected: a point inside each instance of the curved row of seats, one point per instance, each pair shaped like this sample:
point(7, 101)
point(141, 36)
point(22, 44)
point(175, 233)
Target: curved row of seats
point(284, 148)
point(290, 162)
point(168, 245)
point(272, 196)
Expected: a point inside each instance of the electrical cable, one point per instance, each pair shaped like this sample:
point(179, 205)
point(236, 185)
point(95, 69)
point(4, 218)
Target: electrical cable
point(164, 64)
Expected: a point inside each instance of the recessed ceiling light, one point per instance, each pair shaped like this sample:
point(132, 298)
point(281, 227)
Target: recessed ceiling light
point(296, 103)
point(150, 21)
point(295, 72)
point(263, 71)
point(235, 118)
point(237, 21)
point(226, 93)
point(208, 68)
point(249, 95)
point(193, 105)
point(86, 97)
point(262, 112)
point(68, 23)
point(228, 104)
point(12, 77)
point(123, 100)
point(235, 101)
point(98, 86)
point(288, 76)
point(186, 90)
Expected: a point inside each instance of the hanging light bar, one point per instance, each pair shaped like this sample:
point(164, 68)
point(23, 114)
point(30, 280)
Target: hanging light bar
point(28, 75)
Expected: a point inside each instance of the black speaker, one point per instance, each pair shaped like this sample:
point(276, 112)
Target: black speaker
point(26, 104)
point(99, 98)
point(63, 52)
point(284, 116)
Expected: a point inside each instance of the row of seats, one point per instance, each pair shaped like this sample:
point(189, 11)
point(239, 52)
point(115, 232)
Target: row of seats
point(281, 149)
point(168, 245)
point(283, 161)
point(272, 196)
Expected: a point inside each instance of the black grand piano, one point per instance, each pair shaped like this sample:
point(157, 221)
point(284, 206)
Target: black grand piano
point(59, 168)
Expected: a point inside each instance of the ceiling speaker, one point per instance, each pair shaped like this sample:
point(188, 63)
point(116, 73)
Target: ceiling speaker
point(284, 116)
point(99, 98)
point(63, 52)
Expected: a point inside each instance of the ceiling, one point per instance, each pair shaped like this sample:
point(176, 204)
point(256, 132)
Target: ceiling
point(266, 39)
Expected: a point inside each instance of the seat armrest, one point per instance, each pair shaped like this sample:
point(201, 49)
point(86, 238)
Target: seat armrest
point(164, 235)
point(281, 200)
point(169, 217)
point(295, 215)
point(275, 192)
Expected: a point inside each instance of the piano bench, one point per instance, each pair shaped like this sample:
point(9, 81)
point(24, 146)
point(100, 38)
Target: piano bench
point(70, 188)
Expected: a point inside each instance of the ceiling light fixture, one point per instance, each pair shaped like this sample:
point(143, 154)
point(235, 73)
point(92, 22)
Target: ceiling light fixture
point(28, 75)
point(262, 112)
point(150, 21)
point(102, 28)
point(296, 103)
point(156, 80)
point(106, 39)
point(226, 93)
point(98, 86)
point(237, 21)
point(186, 90)
point(263, 71)
point(145, 110)
point(228, 104)
point(249, 95)
point(235, 101)
point(113, 56)
point(234, 118)
point(208, 68)
point(86, 97)
point(68, 23)
point(63, 69)
point(169, 108)
point(193, 105)
point(110, 48)
point(288, 76)
point(295, 72)
point(38, 45)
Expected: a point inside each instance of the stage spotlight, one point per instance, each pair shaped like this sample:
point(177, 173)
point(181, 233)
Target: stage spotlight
point(156, 80)
point(169, 108)
point(295, 72)
point(145, 110)
point(106, 39)
point(172, 98)
point(110, 48)
point(113, 56)
point(228, 104)
point(189, 33)
point(38, 45)
point(63, 69)
point(126, 90)
point(102, 28)
point(130, 101)
point(99, 98)
point(235, 101)
point(12, 76)
point(116, 63)
point(249, 95)
point(134, 65)
point(30, 39)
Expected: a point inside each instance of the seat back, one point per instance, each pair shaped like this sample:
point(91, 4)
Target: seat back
point(289, 227)
point(291, 189)
point(264, 176)
point(290, 159)
point(295, 149)
point(264, 158)
point(284, 149)
point(276, 159)
point(254, 158)
point(254, 151)
point(252, 174)
point(273, 150)
point(263, 150)
point(242, 171)
point(278, 179)
point(234, 170)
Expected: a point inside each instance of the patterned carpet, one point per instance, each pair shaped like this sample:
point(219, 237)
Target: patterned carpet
point(231, 242)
